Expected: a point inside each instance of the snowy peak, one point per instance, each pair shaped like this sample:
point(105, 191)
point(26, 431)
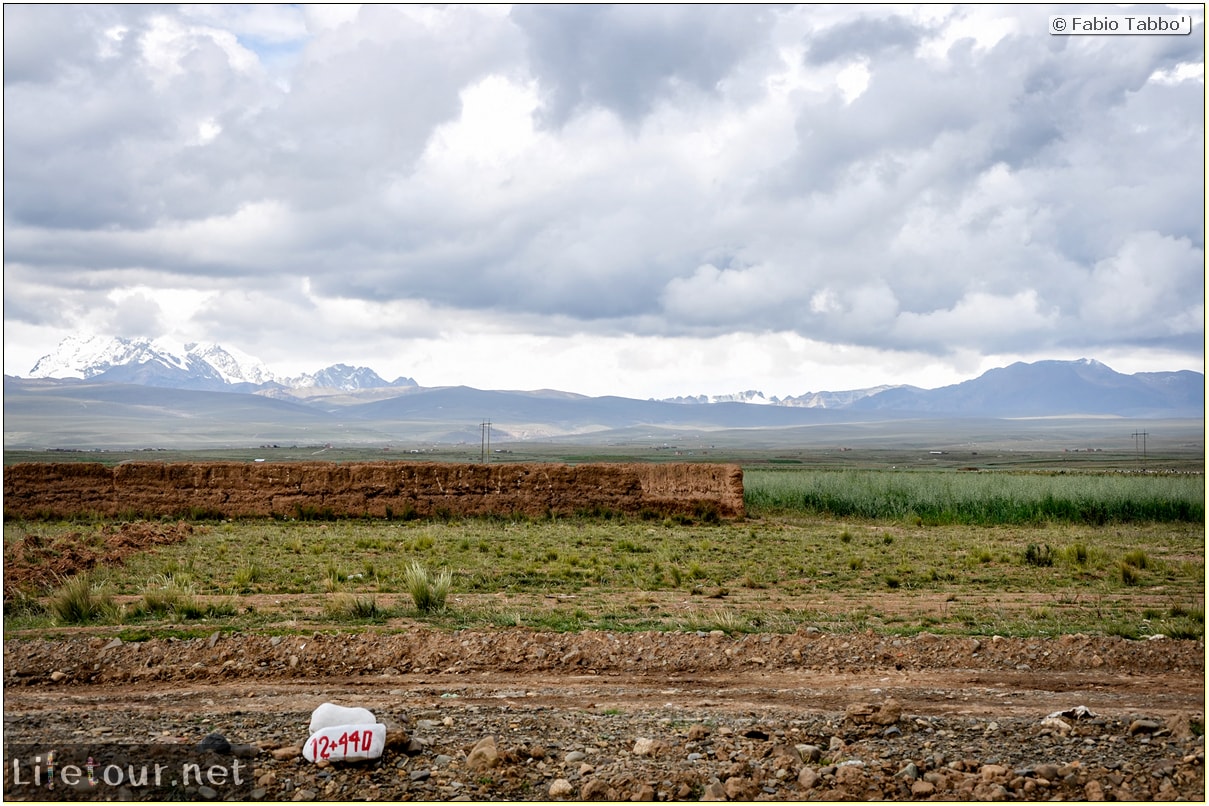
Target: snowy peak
point(750, 396)
point(89, 356)
point(345, 378)
point(809, 400)
point(202, 366)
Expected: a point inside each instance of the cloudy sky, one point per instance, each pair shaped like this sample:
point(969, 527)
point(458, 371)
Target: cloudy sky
point(640, 200)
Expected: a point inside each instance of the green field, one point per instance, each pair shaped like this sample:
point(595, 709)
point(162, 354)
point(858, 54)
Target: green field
point(985, 499)
point(893, 551)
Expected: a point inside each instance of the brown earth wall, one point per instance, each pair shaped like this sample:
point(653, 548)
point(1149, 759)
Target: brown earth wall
point(374, 489)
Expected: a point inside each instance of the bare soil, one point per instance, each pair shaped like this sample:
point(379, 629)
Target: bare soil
point(666, 716)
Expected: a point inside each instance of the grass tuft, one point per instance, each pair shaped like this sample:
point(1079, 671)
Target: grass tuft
point(427, 593)
point(80, 601)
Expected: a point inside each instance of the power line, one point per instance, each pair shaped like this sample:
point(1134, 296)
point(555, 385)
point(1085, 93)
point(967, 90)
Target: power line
point(1141, 434)
point(484, 440)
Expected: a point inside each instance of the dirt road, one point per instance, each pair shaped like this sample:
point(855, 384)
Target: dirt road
point(520, 715)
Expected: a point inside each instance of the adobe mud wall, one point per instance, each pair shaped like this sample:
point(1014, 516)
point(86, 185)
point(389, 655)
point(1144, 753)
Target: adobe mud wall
point(373, 489)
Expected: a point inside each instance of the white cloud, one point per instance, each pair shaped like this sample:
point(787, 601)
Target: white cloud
point(911, 189)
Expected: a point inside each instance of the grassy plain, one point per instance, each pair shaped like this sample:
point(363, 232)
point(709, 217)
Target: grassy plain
point(1098, 560)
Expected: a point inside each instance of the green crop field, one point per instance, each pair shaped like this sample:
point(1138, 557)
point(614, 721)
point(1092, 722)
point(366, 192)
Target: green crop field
point(987, 499)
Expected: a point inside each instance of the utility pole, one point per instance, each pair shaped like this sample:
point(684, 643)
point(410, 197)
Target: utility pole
point(1141, 434)
point(484, 440)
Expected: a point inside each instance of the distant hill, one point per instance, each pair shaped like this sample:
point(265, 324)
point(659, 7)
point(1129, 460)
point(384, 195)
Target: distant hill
point(1051, 388)
point(130, 393)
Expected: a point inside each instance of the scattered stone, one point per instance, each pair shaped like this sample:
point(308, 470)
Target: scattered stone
point(286, 753)
point(595, 789)
point(714, 791)
point(809, 752)
point(58, 676)
point(1144, 726)
point(484, 755)
point(215, 743)
point(560, 788)
point(863, 713)
point(1055, 725)
point(644, 747)
point(207, 792)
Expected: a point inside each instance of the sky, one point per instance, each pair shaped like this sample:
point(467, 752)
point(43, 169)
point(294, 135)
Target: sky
point(642, 200)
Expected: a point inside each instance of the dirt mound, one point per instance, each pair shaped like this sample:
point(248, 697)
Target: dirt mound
point(35, 562)
point(475, 653)
point(369, 489)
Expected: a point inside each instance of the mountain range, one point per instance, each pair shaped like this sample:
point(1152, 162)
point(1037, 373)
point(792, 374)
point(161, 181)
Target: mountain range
point(128, 392)
point(211, 367)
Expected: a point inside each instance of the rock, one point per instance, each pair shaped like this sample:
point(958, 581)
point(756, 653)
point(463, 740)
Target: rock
point(113, 644)
point(809, 752)
point(58, 676)
point(1047, 771)
point(644, 747)
point(910, 772)
point(397, 737)
point(215, 743)
point(207, 793)
point(1144, 726)
point(213, 639)
point(863, 713)
point(484, 755)
point(737, 788)
point(645, 793)
point(714, 791)
point(922, 789)
point(574, 757)
point(286, 753)
point(697, 732)
point(1055, 725)
point(560, 788)
point(334, 743)
point(1093, 791)
point(993, 773)
point(245, 750)
point(595, 789)
point(329, 715)
point(836, 744)
point(807, 778)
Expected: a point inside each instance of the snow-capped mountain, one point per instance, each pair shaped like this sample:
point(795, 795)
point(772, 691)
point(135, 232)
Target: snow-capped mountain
point(750, 396)
point(162, 362)
point(342, 376)
point(809, 400)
